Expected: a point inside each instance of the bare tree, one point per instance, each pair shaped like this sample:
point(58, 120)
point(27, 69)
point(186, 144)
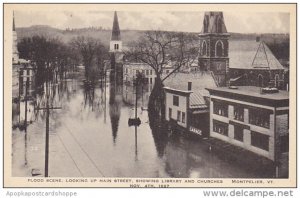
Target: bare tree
point(159, 49)
point(92, 51)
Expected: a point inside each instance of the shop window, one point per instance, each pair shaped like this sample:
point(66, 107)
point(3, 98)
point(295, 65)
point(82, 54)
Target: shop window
point(259, 118)
point(220, 109)
point(260, 140)
point(238, 113)
point(239, 133)
point(220, 127)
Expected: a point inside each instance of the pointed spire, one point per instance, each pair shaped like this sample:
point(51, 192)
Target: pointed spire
point(14, 26)
point(115, 35)
point(213, 22)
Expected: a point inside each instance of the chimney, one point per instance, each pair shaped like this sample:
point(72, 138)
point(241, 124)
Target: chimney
point(189, 86)
point(258, 39)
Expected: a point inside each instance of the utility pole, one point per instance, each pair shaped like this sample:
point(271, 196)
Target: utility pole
point(47, 108)
point(26, 97)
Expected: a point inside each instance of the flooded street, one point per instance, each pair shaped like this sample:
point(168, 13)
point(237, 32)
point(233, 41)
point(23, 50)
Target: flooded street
point(90, 137)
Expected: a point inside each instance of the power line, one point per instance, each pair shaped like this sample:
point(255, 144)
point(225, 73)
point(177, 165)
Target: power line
point(84, 151)
point(70, 155)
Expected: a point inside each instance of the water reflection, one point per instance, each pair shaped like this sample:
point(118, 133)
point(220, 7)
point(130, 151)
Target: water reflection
point(115, 104)
point(149, 150)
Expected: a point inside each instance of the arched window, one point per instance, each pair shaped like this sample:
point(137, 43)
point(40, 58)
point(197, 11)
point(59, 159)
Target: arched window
point(260, 80)
point(204, 48)
point(276, 80)
point(205, 25)
point(116, 46)
point(219, 25)
point(219, 48)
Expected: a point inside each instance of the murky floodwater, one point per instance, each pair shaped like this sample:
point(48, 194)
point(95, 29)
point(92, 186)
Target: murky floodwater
point(90, 137)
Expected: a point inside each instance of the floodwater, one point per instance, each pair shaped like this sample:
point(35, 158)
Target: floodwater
point(90, 137)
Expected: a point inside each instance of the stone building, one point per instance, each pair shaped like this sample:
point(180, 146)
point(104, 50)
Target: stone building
point(213, 52)
point(253, 64)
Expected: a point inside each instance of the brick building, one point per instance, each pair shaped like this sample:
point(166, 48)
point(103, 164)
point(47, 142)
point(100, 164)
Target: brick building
point(251, 119)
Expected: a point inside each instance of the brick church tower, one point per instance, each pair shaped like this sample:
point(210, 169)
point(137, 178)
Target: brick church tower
point(213, 53)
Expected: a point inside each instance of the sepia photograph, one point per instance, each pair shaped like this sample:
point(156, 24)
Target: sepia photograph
point(162, 95)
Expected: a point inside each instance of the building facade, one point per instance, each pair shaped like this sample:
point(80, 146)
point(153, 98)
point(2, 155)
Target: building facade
point(248, 118)
point(131, 69)
point(257, 66)
point(188, 110)
point(213, 49)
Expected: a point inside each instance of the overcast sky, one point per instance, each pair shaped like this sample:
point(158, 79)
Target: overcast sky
point(149, 20)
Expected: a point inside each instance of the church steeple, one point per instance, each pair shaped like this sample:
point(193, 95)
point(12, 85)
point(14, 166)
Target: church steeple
point(116, 35)
point(14, 26)
point(15, 54)
point(214, 45)
point(115, 41)
point(214, 23)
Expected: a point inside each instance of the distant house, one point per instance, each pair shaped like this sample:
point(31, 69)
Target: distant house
point(252, 118)
point(131, 69)
point(253, 64)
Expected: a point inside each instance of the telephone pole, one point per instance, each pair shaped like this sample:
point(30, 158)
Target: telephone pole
point(47, 108)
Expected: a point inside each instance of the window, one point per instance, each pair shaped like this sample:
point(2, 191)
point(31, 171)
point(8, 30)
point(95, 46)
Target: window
point(219, 48)
point(238, 113)
point(277, 80)
point(260, 80)
point(178, 116)
point(260, 140)
point(116, 46)
point(150, 80)
point(170, 113)
point(150, 72)
point(220, 109)
point(239, 133)
point(183, 117)
point(147, 72)
point(220, 127)
point(176, 101)
point(28, 72)
point(259, 117)
point(204, 48)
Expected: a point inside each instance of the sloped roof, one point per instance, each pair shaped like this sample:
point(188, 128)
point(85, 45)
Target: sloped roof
point(200, 81)
point(210, 23)
point(249, 54)
point(115, 34)
point(197, 100)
